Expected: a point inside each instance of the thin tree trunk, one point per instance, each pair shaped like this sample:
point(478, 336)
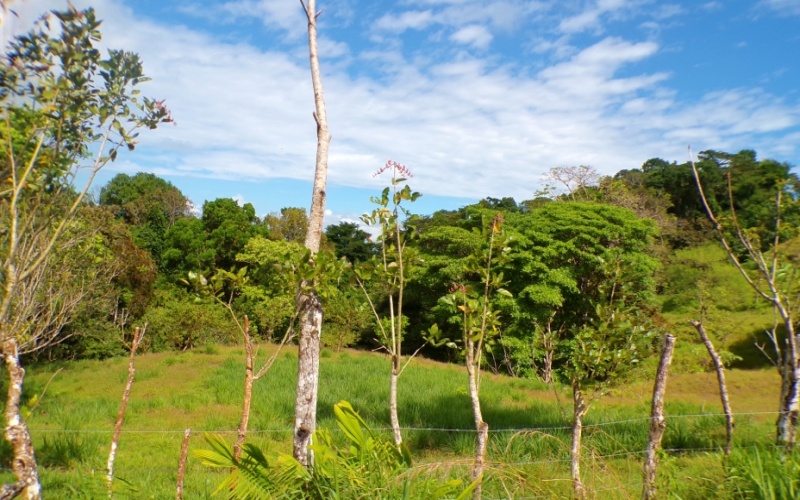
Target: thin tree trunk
point(481, 427)
point(248, 391)
point(790, 392)
point(395, 420)
point(547, 371)
point(182, 464)
point(657, 421)
point(24, 464)
point(137, 337)
point(309, 305)
point(719, 367)
point(579, 408)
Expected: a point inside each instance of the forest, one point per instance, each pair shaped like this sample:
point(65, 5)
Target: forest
point(578, 293)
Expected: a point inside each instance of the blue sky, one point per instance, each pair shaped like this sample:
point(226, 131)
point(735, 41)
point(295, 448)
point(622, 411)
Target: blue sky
point(477, 97)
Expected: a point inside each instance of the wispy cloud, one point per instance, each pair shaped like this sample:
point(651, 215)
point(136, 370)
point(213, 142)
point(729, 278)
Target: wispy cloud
point(473, 35)
point(788, 7)
point(411, 19)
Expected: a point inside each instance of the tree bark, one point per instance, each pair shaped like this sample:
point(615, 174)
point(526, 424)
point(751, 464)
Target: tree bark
point(24, 464)
point(579, 408)
point(137, 337)
point(719, 367)
point(657, 421)
point(248, 391)
point(309, 305)
point(393, 417)
point(182, 464)
point(481, 427)
point(790, 390)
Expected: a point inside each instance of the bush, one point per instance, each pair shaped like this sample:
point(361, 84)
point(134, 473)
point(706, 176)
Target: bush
point(180, 321)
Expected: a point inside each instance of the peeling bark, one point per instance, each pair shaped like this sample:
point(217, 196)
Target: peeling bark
point(579, 409)
point(24, 464)
point(309, 305)
point(393, 417)
point(657, 421)
point(719, 368)
point(249, 378)
point(137, 338)
point(182, 464)
point(481, 427)
point(305, 415)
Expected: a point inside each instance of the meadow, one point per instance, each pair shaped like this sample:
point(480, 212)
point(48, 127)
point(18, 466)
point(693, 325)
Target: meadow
point(530, 423)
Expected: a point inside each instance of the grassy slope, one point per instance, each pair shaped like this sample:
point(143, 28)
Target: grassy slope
point(202, 390)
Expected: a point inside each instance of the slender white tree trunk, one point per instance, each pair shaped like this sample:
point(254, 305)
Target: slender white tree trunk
point(579, 408)
point(24, 464)
point(126, 394)
point(309, 305)
point(657, 421)
point(481, 427)
point(395, 419)
point(719, 368)
point(789, 368)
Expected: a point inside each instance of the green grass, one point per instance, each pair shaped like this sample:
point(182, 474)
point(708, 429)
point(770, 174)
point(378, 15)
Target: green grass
point(528, 452)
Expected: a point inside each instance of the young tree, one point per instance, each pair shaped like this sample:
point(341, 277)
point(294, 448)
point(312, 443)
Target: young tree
point(480, 322)
point(308, 302)
point(392, 268)
point(61, 104)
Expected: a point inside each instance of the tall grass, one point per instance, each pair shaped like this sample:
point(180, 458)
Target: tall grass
point(529, 439)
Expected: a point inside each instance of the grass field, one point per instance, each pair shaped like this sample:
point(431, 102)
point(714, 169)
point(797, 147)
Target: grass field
point(530, 423)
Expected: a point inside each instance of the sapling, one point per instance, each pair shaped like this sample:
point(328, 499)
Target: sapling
point(480, 322)
point(390, 270)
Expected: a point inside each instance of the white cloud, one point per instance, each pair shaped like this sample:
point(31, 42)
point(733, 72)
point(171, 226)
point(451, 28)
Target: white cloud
point(474, 35)
point(789, 7)
point(468, 127)
point(398, 23)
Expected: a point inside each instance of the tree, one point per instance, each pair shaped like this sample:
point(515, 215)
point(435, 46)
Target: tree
point(391, 269)
point(350, 241)
point(308, 303)
point(576, 180)
point(228, 226)
point(479, 322)
point(149, 204)
point(144, 195)
point(774, 280)
point(61, 104)
point(290, 225)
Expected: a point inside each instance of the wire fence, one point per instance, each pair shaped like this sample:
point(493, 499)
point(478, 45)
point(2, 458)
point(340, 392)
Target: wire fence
point(420, 429)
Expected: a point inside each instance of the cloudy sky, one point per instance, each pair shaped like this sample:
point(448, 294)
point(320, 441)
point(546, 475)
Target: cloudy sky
point(477, 97)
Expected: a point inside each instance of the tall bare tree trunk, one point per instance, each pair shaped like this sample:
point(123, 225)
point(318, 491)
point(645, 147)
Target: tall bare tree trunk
point(308, 302)
point(579, 408)
point(24, 464)
point(126, 394)
point(719, 368)
point(481, 427)
point(657, 421)
point(249, 377)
